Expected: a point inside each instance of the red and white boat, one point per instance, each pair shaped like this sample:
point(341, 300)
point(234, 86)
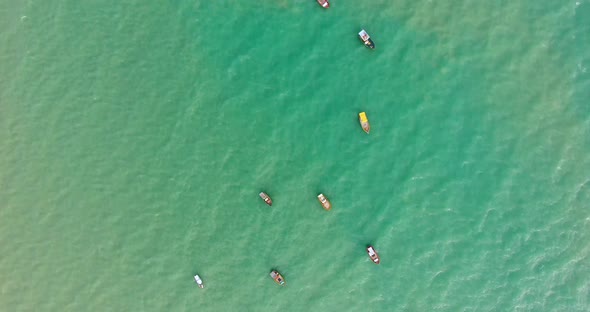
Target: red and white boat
point(266, 198)
point(373, 254)
point(324, 3)
point(277, 277)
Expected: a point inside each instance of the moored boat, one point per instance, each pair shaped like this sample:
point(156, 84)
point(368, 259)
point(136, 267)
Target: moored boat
point(373, 254)
point(366, 39)
point(199, 281)
point(364, 122)
point(277, 277)
point(266, 198)
point(324, 3)
point(325, 202)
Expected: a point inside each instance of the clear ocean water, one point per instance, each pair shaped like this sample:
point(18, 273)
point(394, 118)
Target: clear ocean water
point(135, 137)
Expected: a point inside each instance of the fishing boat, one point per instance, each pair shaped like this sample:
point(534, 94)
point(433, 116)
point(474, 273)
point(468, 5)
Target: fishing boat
point(324, 3)
point(266, 198)
point(325, 202)
point(277, 277)
point(373, 254)
point(199, 281)
point(366, 39)
point(364, 122)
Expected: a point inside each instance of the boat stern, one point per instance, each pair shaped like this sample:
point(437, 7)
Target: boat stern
point(363, 117)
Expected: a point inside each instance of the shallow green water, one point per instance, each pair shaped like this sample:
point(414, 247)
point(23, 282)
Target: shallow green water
point(135, 137)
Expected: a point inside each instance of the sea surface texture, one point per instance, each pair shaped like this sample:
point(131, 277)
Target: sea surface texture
point(135, 137)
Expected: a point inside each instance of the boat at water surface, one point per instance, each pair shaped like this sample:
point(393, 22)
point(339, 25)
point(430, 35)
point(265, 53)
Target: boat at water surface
point(373, 254)
point(277, 277)
point(266, 198)
point(324, 3)
point(364, 121)
point(199, 281)
point(325, 202)
point(366, 39)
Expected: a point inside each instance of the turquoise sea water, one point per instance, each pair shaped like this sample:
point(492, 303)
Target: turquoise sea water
point(135, 137)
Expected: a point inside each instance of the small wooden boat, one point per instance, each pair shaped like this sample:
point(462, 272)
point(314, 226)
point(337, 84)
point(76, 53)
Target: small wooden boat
point(266, 198)
point(199, 281)
point(325, 202)
point(324, 3)
point(277, 277)
point(373, 254)
point(366, 39)
point(364, 122)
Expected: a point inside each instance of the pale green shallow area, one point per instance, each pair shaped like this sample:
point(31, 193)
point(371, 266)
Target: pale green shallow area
point(135, 137)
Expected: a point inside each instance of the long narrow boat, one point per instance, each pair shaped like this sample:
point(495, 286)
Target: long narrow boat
point(364, 122)
point(373, 254)
point(199, 281)
point(266, 198)
point(366, 39)
point(324, 3)
point(325, 202)
point(277, 277)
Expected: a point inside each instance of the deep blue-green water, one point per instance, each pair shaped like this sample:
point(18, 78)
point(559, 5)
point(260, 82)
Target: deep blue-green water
point(135, 137)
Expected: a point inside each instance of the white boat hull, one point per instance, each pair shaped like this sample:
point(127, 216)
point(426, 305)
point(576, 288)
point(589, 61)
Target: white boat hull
point(199, 281)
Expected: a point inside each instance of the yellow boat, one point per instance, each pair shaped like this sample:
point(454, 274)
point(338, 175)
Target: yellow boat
point(364, 122)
